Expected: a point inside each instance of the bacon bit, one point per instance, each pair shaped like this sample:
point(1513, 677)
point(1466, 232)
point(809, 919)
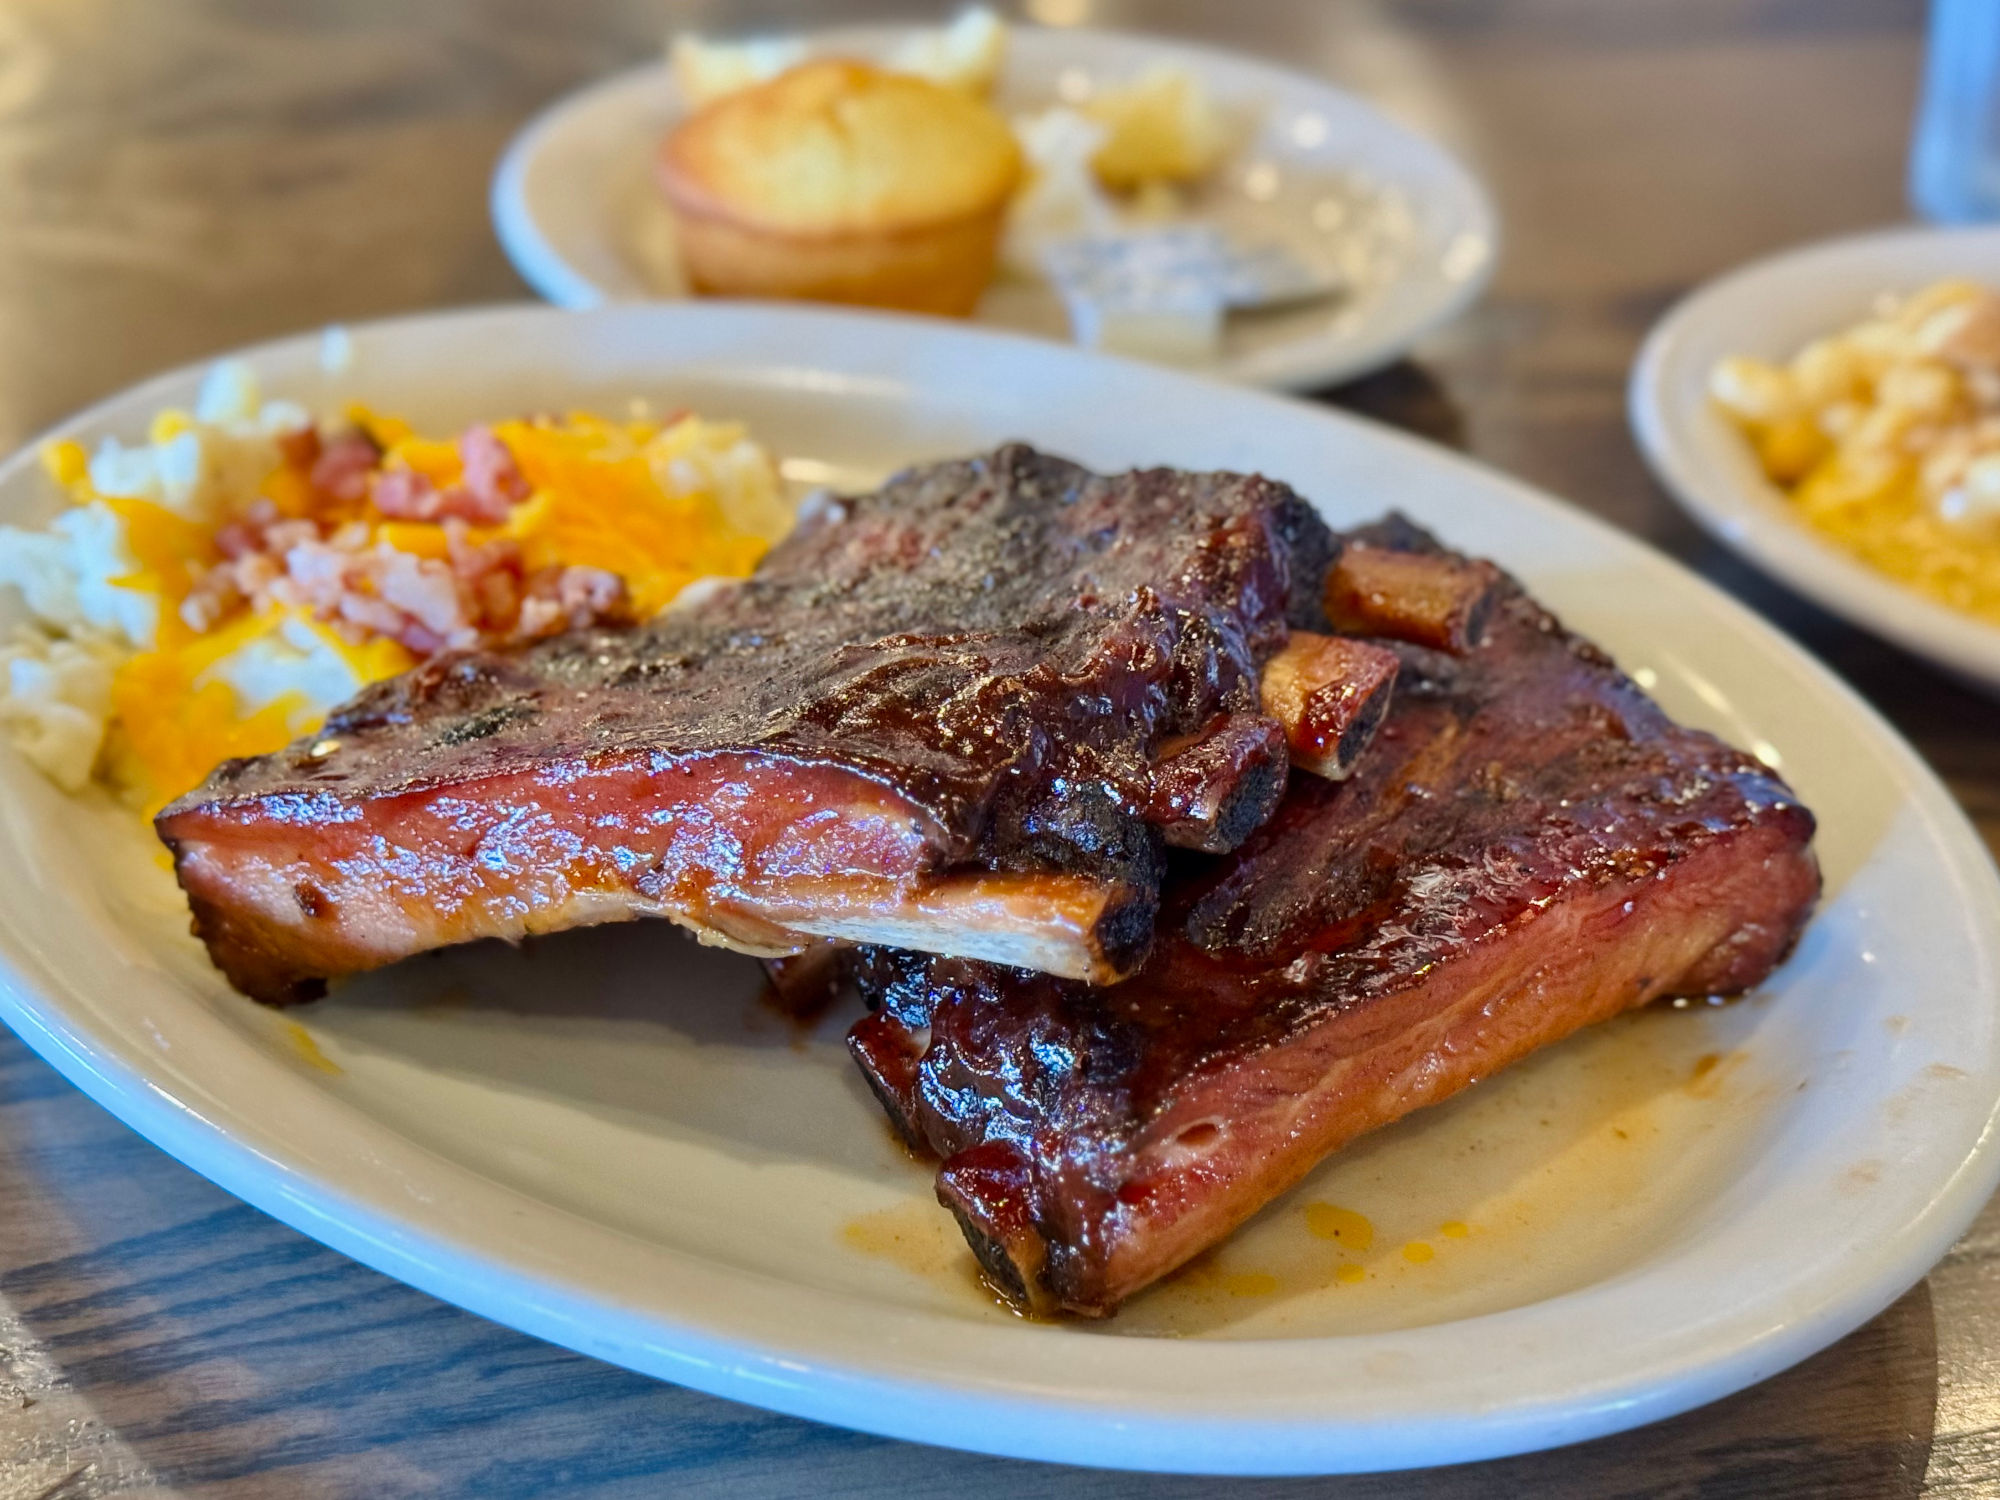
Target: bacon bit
point(589, 594)
point(491, 474)
point(300, 447)
point(498, 597)
point(331, 562)
point(462, 504)
point(340, 470)
point(539, 617)
point(282, 536)
point(560, 598)
point(213, 596)
point(423, 590)
point(378, 618)
point(236, 539)
point(406, 495)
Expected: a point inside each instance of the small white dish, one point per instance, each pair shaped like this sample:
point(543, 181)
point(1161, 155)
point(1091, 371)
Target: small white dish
point(1399, 220)
point(603, 1140)
point(1771, 309)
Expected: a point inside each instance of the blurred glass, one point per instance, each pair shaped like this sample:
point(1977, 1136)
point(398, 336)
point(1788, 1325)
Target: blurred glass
point(1955, 151)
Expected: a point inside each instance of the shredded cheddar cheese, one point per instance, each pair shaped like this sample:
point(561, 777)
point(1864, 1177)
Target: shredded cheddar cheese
point(246, 570)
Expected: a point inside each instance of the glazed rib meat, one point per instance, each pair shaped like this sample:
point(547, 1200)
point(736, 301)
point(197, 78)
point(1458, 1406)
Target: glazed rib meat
point(1529, 846)
point(963, 714)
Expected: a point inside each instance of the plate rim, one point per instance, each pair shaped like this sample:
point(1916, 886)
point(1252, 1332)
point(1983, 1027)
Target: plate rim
point(1104, 1433)
point(1778, 545)
point(550, 275)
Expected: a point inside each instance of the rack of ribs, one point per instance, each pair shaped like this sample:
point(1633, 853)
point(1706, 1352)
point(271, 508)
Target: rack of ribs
point(1530, 846)
point(965, 714)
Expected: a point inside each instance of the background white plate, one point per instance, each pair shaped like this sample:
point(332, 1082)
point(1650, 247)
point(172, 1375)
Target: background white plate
point(603, 1141)
point(575, 205)
point(1771, 309)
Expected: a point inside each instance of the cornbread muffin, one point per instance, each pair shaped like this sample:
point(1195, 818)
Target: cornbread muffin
point(839, 182)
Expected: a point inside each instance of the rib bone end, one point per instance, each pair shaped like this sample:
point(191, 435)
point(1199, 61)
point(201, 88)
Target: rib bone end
point(1330, 693)
point(990, 1190)
point(1213, 789)
point(1426, 598)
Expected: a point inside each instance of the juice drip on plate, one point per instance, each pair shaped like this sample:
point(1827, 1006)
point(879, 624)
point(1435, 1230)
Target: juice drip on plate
point(1546, 1177)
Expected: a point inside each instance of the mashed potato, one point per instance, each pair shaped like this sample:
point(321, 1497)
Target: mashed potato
point(54, 700)
point(216, 590)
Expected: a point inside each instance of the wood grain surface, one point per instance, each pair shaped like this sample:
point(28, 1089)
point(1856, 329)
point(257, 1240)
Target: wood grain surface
point(179, 176)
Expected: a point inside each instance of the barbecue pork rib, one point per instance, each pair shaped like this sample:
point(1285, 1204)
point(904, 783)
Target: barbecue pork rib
point(962, 714)
point(1529, 846)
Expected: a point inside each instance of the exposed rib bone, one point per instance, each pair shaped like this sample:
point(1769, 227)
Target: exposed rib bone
point(1212, 789)
point(630, 843)
point(991, 1192)
point(1426, 598)
point(1070, 925)
point(1330, 693)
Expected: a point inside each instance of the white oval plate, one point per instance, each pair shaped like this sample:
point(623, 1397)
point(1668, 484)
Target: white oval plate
point(575, 205)
point(1771, 309)
point(601, 1140)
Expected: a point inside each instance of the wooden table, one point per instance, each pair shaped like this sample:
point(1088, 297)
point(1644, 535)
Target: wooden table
point(179, 176)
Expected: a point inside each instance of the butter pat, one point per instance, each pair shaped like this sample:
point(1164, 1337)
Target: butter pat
point(1164, 293)
point(1178, 325)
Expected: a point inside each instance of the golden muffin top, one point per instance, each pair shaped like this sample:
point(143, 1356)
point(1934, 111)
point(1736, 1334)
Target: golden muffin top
point(836, 147)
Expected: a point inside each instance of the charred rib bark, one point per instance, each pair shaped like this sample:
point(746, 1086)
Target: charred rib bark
point(930, 718)
point(1530, 846)
point(1211, 790)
